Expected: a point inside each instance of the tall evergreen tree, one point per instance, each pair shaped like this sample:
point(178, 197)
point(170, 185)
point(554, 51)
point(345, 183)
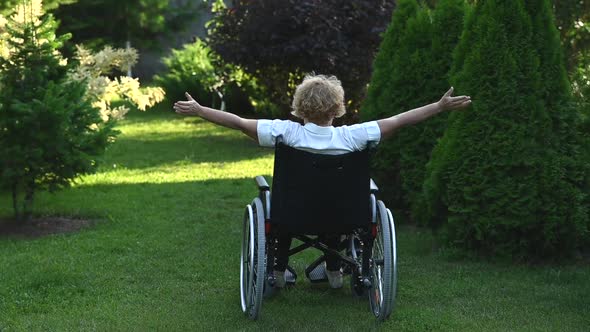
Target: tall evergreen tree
point(569, 164)
point(381, 98)
point(412, 69)
point(49, 132)
point(378, 98)
point(138, 22)
point(493, 173)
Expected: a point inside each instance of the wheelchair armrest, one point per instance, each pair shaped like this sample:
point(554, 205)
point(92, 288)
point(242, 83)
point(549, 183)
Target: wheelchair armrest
point(261, 183)
point(374, 187)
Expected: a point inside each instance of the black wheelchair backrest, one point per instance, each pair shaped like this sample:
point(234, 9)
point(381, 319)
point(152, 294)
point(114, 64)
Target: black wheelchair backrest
point(317, 193)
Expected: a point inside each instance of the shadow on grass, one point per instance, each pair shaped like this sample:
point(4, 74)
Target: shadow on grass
point(42, 226)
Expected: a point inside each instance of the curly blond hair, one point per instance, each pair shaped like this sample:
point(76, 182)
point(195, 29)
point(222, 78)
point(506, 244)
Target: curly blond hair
point(319, 98)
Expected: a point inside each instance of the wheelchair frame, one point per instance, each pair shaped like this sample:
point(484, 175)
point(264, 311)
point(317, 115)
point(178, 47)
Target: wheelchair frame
point(372, 262)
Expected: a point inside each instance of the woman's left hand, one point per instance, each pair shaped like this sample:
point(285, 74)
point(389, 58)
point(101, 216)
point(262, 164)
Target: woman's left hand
point(448, 102)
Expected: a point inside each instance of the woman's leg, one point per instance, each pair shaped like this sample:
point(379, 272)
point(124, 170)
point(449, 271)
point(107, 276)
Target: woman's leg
point(282, 251)
point(281, 255)
point(333, 262)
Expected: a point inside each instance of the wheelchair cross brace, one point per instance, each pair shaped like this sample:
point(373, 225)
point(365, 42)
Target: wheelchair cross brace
point(310, 242)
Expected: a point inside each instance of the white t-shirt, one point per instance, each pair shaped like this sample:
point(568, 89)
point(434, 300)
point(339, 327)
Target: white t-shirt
point(318, 139)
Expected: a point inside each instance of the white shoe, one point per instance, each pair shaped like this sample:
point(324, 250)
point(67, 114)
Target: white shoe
point(279, 278)
point(335, 278)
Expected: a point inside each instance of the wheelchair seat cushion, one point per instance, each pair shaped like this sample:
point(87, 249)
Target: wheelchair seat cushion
point(317, 193)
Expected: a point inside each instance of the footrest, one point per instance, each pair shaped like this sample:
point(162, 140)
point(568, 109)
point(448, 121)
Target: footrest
point(316, 271)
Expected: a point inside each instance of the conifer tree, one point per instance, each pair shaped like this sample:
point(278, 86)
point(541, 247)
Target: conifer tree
point(139, 23)
point(492, 175)
point(568, 170)
point(447, 26)
point(381, 98)
point(412, 69)
point(49, 132)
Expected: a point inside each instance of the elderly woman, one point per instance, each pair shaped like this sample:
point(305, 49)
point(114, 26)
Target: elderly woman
point(318, 100)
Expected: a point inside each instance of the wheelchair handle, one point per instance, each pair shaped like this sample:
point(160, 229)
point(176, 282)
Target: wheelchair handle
point(261, 183)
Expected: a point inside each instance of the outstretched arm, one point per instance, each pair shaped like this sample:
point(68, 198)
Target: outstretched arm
point(229, 120)
point(390, 125)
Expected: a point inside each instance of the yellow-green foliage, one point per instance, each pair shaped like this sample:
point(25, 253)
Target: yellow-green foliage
point(94, 68)
point(3, 47)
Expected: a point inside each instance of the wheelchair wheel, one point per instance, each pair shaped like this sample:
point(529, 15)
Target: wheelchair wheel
point(383, 266)
point(394, 266)
point(252, 267)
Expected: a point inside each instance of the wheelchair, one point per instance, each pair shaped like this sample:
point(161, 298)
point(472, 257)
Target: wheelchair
point(317, 194)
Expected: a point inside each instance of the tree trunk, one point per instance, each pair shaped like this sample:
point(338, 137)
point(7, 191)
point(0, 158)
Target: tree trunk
point(28, 202)
point(128, 46)
point(17, 215)
point(220, 95)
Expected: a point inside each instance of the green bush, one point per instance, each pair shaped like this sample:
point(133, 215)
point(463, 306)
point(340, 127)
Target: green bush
point(411, 70)
point(447, 27)
point(189, 69)
point(198, 70)
point(571, 157)
point(49, 132)
point(381, 99)
point(499, 181)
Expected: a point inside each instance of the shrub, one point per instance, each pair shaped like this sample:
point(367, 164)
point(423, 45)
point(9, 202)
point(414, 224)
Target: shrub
point(498, 183)
point(198, 70)
point(571, 156)
point(142, 23)
point(96, 71)
point(380, 99)
point(447, 25)
point(49, 131)
point(189, 69)
point(278, 41)
point(411, 69)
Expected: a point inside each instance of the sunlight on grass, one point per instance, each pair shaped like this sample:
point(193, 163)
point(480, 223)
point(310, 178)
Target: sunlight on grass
point(158, 163)
point(183, 172)
point(168, 127)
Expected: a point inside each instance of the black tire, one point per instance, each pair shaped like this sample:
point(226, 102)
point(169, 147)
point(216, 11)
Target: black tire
point(253, 260)
point(383, 275)
point(394, 263)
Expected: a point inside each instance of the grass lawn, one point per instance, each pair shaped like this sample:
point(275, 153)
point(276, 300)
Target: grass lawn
point(165, 255)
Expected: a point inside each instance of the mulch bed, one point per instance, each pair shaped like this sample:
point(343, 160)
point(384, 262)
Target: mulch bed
point(43, 226)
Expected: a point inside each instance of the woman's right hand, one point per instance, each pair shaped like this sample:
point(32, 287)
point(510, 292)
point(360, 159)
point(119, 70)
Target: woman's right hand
point(448, 102)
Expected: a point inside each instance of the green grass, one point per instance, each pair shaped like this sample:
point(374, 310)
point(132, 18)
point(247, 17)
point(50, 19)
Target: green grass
point(165, 255)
